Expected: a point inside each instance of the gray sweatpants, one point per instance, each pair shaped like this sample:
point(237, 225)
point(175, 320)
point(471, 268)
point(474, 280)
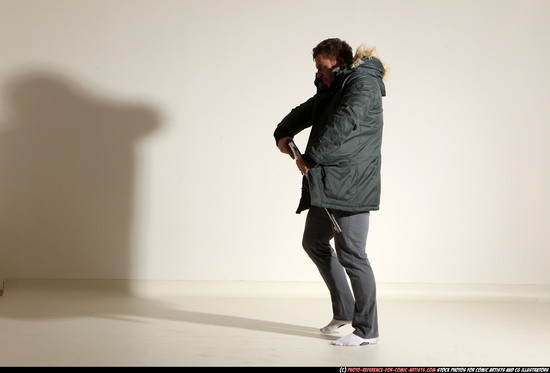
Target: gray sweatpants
point(351, 258)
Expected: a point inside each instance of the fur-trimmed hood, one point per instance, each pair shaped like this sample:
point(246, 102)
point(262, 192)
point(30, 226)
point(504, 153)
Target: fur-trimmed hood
point(364, 53)
point(368, 58)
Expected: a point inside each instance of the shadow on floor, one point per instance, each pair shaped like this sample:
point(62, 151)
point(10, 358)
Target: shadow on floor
point(38, 300)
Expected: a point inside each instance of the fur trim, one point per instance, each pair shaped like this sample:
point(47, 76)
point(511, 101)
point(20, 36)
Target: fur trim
point(366, 52)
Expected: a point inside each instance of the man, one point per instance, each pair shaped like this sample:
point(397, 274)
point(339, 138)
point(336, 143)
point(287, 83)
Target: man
point(341, 168)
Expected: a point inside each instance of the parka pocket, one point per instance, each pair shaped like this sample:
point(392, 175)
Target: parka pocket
point(338, 182)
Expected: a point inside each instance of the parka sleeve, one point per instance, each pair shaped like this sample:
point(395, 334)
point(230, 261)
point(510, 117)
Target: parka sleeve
point(296, 121)
point(344, 125)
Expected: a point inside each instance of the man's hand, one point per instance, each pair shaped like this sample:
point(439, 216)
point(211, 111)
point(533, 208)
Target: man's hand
point(304, 169)
point(282, 144)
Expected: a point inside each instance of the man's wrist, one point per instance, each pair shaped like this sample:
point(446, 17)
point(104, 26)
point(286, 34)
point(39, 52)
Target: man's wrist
point(281, 133)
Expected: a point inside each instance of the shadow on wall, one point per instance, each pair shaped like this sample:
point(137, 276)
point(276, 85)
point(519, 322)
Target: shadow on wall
point(67, 168)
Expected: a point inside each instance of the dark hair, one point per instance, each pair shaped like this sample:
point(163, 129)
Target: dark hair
point(334, 48)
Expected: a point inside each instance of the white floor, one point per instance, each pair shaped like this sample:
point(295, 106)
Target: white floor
point(115, 323)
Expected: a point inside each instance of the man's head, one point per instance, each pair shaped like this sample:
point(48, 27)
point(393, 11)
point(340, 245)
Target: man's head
point(329, 55)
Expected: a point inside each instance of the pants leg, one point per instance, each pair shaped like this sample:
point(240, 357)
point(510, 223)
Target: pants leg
point(316, 242)
point(350, 247)
point(351, 259)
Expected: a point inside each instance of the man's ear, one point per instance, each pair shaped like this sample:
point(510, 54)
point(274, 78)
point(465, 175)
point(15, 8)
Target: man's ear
point(340, 62)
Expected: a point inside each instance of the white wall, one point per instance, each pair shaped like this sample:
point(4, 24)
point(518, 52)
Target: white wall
point(136, 138)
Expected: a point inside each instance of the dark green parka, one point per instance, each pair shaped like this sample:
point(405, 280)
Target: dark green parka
point(344, 146)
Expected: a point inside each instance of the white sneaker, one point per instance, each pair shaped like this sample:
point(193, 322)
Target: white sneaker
point(334, 325)
point(354, 340)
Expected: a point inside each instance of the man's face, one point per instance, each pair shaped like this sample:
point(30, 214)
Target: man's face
point(325, 68)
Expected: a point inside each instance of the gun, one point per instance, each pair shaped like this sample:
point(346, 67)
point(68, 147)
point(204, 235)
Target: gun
point(295, 155)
